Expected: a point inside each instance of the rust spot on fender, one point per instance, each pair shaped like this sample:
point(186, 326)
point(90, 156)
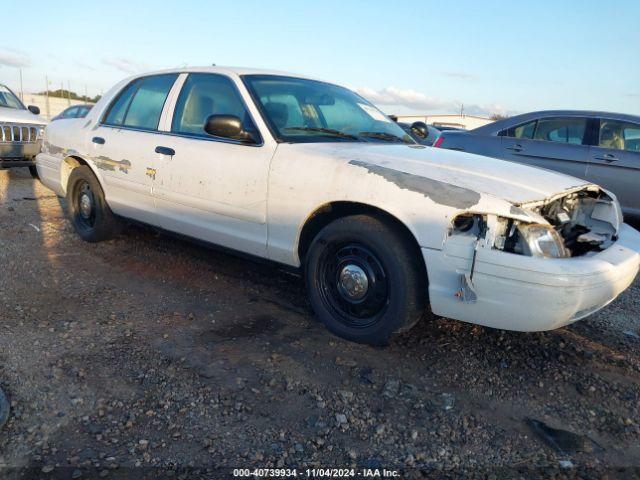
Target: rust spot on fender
point(109, 164)
point(442, 193)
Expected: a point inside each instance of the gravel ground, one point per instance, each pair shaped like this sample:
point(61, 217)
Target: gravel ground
point(148, 351)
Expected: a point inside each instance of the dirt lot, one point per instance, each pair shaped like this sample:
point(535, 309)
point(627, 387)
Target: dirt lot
point(148, 351)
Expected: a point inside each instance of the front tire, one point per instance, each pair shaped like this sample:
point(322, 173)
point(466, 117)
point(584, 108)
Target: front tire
point(89, 213)
point(365, 280)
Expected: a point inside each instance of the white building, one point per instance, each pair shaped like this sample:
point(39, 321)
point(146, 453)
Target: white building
point(466, 122)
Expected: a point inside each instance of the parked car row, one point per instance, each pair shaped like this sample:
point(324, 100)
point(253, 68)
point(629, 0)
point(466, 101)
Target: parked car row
point(313, 176)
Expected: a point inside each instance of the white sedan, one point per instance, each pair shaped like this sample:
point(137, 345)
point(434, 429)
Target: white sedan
point(311, 175)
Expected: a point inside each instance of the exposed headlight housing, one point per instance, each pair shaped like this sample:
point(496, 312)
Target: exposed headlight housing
point(540, 240)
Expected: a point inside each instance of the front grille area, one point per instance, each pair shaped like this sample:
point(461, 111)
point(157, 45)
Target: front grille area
point(18, 133)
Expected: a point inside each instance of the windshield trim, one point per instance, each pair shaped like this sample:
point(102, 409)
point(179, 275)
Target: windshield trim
point(16, 97)
point(320, 138)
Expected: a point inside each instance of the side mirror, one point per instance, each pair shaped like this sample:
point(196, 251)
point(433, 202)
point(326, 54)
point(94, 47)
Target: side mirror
point(420, 129)
point(33, 109)
point(227, 126)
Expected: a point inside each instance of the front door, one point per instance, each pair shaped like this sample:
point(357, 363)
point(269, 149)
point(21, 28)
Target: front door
point(615, 162)
point(211, 188)
point(551, 143)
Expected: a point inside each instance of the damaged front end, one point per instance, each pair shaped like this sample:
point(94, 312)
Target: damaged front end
point(572, 224)
point(587, 220)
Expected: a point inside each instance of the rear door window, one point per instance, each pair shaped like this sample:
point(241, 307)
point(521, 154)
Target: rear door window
point(140, 104)
point(618, 135)
point(562, 130)
point(146, 106)
point(118, 108)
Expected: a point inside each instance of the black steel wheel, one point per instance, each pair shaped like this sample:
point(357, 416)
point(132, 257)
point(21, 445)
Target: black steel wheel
point(84, 205)
point(365, 279)
point(353, 284)
point(89, 213)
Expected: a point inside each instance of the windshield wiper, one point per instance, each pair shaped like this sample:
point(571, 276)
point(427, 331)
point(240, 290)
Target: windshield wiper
point(330, 131)
point(390, 137)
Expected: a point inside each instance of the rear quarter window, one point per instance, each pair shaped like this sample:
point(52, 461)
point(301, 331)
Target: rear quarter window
point(140, 104)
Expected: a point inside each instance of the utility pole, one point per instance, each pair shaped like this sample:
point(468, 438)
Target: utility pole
point(46, 79)
point(86, 97)
point(21, 89)
point(69, 92)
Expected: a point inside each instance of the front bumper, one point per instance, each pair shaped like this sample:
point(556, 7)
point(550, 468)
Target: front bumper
point(516, 292)
point(18, 154)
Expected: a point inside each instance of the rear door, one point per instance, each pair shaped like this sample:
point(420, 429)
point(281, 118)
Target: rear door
point(554, 143)
point(123, 145)
point(615, 162)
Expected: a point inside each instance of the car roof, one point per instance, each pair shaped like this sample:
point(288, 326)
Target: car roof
point(524, 117)
point(228, 71)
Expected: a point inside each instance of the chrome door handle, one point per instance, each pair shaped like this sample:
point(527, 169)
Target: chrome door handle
point(607, 157)
point(165, 151)
point(516, 148)
point(98, 140)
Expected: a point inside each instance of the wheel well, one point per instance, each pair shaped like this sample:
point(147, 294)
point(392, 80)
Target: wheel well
point(68, 164)
point(332, 211)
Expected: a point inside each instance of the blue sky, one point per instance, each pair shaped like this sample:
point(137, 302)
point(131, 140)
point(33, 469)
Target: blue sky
point(427, 56)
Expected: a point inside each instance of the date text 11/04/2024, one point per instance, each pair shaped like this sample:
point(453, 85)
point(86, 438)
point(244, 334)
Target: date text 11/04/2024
point(316, 472)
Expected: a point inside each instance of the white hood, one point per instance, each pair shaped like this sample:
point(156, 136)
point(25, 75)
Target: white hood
point(13, 115)
point(516, 183)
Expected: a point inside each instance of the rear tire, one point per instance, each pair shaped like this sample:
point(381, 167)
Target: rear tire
point(364, 279)
point(89, 213)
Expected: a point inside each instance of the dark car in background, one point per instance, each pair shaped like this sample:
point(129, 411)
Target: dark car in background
point(75, 111)
point(601, 147)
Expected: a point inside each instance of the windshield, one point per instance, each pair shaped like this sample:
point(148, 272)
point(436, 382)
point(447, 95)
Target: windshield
point(299, 110)
point(9, 100)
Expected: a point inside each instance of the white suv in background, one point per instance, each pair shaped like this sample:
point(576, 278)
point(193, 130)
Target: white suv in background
point(311, 175)
point(20, 131)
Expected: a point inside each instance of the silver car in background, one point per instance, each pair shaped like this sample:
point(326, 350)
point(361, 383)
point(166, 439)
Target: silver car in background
point(601, 147)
